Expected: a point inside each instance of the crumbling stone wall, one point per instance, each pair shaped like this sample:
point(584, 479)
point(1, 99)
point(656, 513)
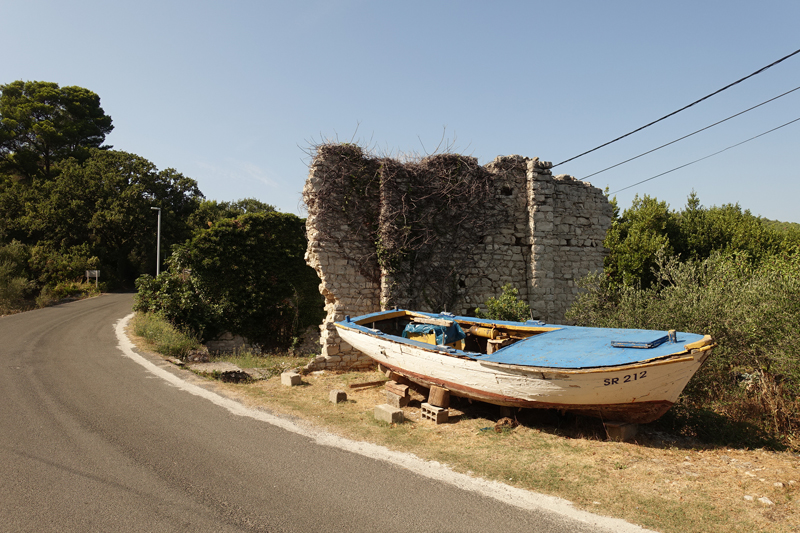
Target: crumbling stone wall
point(568, 223)
point(445, 233)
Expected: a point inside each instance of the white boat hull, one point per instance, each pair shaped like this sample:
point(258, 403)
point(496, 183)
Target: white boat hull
point(636, 393)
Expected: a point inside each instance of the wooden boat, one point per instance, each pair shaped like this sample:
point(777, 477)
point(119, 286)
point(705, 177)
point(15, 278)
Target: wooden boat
point(622, 375)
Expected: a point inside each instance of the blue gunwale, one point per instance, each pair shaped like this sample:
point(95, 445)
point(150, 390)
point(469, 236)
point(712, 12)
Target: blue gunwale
point(555, 346)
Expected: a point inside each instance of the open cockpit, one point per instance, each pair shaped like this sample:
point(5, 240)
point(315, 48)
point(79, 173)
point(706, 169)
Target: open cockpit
point(474, 335)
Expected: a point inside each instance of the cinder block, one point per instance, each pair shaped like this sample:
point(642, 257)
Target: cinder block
point(437, 415)
point(337, 396)
point(291, 379)
point(388, 414)
point(620, 431)
point(394, 400)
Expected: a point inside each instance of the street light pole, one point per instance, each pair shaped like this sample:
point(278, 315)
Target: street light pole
point(158, 241)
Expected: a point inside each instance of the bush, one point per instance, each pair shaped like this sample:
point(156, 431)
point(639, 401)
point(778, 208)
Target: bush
point(245, 275)
point(174, 295)
point(750, 308)
point(507, 306)
point(66, 289)
point(14, 283)
point(52, 267)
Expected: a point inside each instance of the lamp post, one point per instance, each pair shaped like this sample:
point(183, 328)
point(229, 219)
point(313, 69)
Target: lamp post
point(158, 241)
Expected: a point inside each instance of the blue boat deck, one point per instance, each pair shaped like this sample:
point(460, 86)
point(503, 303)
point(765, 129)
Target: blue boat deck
point(564, 347)
point(578, 347)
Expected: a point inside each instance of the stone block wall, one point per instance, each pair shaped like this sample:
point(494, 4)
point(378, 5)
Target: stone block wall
point(528, 228)
point(568, 223)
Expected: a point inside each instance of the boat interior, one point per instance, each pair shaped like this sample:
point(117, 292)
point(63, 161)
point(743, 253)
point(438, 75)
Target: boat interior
point(462, 333)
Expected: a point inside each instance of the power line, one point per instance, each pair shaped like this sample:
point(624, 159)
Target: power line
point(689, 135)
point(759, 71)
point(706, 157)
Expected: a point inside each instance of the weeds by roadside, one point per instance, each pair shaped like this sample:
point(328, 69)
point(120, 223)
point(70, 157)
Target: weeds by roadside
point(162, 336)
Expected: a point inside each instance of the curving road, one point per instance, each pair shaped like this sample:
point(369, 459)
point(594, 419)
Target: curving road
point(95, 437)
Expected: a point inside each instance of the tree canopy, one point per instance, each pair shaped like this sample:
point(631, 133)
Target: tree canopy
point(99, 209)
point(42, 123)
point(70, 204)
point(694, 233)
point(211, 211)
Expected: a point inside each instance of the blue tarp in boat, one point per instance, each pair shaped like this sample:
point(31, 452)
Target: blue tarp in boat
point(444, 334)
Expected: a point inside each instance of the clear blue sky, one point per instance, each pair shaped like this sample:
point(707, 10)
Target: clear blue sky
point(232, 93)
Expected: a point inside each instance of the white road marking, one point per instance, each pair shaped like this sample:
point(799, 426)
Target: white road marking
point(520, 498)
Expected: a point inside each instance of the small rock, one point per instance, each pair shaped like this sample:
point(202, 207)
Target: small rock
point(337, 396)
point(198, 356)
point(291, 379)
point(779, 485)
point(748, 498)
point(792, 482)
point(765, 501)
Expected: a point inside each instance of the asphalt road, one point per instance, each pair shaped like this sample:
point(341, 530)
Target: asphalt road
point(91, 440)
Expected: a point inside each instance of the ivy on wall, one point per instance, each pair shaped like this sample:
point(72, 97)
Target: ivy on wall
point(422, 219)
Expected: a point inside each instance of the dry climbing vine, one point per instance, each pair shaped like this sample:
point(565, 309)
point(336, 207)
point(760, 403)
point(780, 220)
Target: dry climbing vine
point(423, 219)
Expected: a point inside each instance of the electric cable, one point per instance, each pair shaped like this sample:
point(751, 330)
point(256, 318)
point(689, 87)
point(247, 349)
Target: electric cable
point(690, 134)
point(759, 71)
point(706, 157)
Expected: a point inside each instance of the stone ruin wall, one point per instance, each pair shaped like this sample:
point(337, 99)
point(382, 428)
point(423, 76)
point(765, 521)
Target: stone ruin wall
point(549, 234)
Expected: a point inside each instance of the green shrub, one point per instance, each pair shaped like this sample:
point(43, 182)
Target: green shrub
point(66, 289)
point(15, 286)
point(648, 226)
point(174, 295)
point(750, 308)
point(507, 306)
point(245, 275)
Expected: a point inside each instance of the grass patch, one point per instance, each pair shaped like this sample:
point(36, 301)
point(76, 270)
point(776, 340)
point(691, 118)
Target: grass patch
point(163, 337)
